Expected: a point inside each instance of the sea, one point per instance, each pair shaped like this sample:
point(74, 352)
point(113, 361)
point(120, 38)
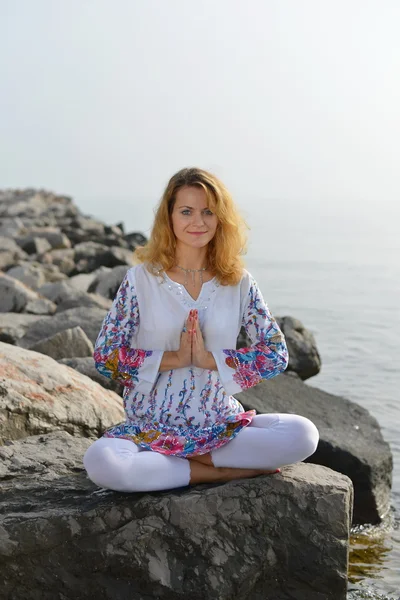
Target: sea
point(335, 265)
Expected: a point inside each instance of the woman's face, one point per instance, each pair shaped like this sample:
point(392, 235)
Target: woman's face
point(193, 223)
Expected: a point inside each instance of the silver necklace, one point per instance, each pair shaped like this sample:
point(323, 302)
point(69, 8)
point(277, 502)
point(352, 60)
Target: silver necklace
point(193, 271)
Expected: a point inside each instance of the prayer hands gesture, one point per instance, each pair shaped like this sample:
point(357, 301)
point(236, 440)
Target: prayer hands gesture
point(192, 350)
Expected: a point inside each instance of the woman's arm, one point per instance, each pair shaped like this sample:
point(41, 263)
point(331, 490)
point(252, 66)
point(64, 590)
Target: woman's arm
point(113, 354)
point(266, 357)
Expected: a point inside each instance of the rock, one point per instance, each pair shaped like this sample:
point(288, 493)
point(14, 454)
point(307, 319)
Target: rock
point(304, 358)
point(38, 395)
point(249, 539)
point(90, 319)
point(36, 245)
point(9, 226)
point(107, 284)
point(13, 326)
point(135, 239)
point(89, 256)
point(82, 281)
point(64, 259)
point(50, 272)
point(351, 441)
point(65, 344)
point(45, 456)
point(53, 235)
point(86, 366)
point(34, 275)
point(17, 297)
point(10, 253)
point(66, 297)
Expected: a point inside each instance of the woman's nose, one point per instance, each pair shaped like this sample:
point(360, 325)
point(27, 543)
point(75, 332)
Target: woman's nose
point(198, 219)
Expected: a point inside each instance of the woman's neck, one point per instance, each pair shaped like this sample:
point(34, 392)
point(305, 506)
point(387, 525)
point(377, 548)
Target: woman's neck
point(191, 260)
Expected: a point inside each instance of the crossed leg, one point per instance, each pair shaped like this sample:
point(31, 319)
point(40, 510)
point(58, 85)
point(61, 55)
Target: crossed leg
point(271, 441)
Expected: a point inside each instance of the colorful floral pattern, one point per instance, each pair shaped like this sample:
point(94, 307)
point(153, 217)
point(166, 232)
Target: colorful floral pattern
point(265, 358)
point(183, 412)
point(184, 441)
point(113, 355)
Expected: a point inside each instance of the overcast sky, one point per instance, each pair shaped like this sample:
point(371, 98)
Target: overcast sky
point(284, 99)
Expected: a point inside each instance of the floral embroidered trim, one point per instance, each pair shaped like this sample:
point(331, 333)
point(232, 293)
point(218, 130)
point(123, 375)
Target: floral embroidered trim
point(182, 441)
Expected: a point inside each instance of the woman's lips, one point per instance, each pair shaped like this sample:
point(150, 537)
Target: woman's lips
point(197, 232)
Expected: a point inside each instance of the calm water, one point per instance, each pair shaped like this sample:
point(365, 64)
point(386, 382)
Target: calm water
point(343, 283)
point(337, 269)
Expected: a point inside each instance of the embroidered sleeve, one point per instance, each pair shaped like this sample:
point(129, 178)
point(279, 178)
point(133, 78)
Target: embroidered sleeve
point(266, 357)
point(114, 355)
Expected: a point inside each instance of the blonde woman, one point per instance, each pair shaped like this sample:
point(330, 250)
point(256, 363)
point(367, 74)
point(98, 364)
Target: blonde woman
point(170, 339)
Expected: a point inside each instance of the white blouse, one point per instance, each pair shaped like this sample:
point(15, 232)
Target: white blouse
point(186, 411)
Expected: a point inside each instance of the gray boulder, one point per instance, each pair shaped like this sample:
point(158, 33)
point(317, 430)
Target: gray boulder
point(66, 297)
point(282, 536)
point(351, 441)
point(64, 259)
point(304, 357)
point(38, 395)
point(13, 326)
point(89, 256)
point(36, 245)
point(34, 274)
point(90, 319)
point(17, 297)
point(107, 283)
point(83, 281)
point(10, 253)
point(53, 235)
point(65, 344)
point(86, 366)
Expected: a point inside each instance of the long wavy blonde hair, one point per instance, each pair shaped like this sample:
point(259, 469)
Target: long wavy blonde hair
point(224, 250)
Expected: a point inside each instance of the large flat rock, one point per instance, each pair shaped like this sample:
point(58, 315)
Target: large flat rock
point(38, 395)
point(351, 441)
point(279, 537)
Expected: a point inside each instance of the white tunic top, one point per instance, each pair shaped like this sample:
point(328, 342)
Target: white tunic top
point(186, 411)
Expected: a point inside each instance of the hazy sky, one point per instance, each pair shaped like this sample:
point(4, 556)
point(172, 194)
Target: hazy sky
point(284, 99)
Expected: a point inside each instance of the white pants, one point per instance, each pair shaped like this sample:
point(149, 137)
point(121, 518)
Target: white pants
point(269, 442)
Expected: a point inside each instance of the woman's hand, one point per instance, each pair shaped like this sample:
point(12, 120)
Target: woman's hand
point(201, 358)
point(184, 354)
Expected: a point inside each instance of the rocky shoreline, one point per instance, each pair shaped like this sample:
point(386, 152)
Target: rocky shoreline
point(61, 537)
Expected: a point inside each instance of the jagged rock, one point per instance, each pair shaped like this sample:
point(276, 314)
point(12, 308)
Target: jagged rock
point(17, 297)
point(10, 253)
point(86, 366)
point(38, 395)
point(304, 356)
point(36, 245)
point(64, 259)
point(135, 239)
point(34, 275)
point(82, 281)
point(66, 297)
point(249, 540)
point(53, 235)
point(65, 344)
point(107, 283)
point(351, 441)
point(13, 326)
point(10, 226)
point(90, 319)
point(89, 256)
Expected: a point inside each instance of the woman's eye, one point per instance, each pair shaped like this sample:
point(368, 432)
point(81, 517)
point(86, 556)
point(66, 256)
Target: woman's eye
point(209, 212)
point(186, 211)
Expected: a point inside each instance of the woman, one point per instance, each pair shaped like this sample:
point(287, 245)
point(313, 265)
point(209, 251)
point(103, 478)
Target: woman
point(170, 338)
